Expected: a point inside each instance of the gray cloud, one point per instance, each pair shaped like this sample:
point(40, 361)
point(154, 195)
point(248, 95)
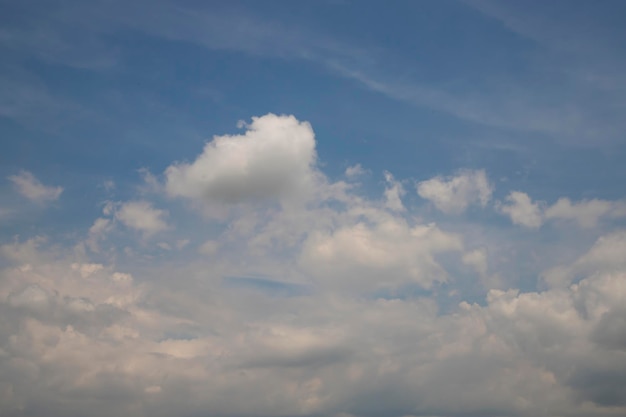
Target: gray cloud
point(610, 332)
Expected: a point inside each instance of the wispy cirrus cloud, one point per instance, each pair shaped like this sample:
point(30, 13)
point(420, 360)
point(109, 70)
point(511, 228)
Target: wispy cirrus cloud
point(503, 101)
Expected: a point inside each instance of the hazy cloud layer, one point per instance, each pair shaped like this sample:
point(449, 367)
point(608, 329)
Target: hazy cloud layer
point(84, 338)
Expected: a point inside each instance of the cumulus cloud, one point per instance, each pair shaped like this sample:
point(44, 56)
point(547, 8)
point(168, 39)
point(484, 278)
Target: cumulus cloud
point(522, 210)
point(73, 328)
point(273, 160)
point(455, 194)
point(30, 187)
point(342, 305)
point(586, 213)
point(606, 256)
point(141, 216)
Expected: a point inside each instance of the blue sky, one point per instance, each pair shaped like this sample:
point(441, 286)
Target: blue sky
point(381, 209)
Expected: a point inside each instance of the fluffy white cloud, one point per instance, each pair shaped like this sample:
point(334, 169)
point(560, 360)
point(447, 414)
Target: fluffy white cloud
point(455, 194)
point(522, 210)
point(30, 187)
point(140, 215)
point(273, 160)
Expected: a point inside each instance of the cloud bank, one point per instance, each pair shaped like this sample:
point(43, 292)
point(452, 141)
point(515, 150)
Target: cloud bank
point(308, 297)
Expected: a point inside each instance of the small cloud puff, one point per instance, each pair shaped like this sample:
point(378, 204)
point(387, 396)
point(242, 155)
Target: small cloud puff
point(355, 171)
point(522, 210)
point(393, 193)
point(140, 215)
point(453, 195)
point(31, 188)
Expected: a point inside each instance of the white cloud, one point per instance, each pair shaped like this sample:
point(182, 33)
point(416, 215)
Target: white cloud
point(605, 256)
point(150, 183)
point(355, 171)
point(522, 210)
point(87, 270)
point(454, 194)
point(101, 226)
point(31, 188)
point(345, 306)
point(140, 215)
point(477, 259)
point(32, 297)
point(388, 254)
point(273, 160)
point(185, 347)
point(393, 193)
point(586, 213)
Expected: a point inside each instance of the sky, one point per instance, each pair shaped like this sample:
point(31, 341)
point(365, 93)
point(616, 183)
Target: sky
point(321, 209)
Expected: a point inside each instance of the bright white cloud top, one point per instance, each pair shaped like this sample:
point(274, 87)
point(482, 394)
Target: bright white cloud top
point(420, 213)
point(274, 159)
